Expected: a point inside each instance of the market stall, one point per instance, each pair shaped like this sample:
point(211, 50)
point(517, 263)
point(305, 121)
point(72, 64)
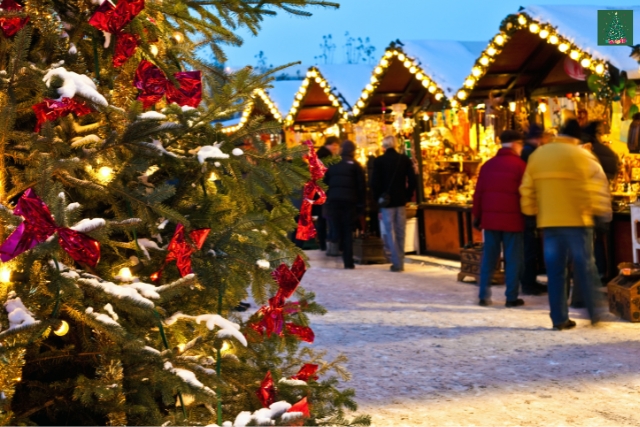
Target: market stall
point(408, 97)
point(545, 64)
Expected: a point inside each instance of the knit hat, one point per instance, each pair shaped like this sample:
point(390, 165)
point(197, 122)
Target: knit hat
point(348, 149)
point(509, 136)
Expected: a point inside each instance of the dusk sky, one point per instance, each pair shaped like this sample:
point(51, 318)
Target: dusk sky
point(288, 38)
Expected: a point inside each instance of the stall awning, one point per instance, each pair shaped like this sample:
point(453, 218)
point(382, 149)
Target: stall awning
point(418, 73)
point(545, 51)
point(348, 79)
point(260, 105)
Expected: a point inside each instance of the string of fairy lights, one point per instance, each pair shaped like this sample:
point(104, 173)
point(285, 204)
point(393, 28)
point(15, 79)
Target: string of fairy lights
point(410, 63)
point(545, 31)
point(314, 76)
point(248, 109)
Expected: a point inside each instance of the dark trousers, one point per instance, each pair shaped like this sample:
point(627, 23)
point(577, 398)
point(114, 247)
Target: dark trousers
point(342, 224)
point(530, 270)
point(321, 227)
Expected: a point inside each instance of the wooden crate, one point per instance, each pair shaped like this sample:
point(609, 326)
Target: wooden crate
point(471, 259)
point(368, 250)
point(624, 297)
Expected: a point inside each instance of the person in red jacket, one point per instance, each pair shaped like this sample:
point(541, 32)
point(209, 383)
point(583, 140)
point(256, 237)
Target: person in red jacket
point(496, 210)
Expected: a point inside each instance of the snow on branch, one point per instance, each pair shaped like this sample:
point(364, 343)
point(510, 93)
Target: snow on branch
point(157, 145)
point(75, 84)
point(227, 327)
point(188, 377)
point(266, 416)
point(120, 292)
point(145, 244)
point(86, 225)
point(183, 281)
point(19, 315)
point(152, 115)
point(211, 152)
point(102, 318)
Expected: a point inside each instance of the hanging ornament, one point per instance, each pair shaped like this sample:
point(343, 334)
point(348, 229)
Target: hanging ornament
point(10, 26)
point(180, 250)
point(50, 110)
point(113, 18)
point(126, 45)
point(153, 85)
point(574, 69)
point(38, 226)
point(306, 229)
point(267, 391)
point(272, 316)
point(307, 372)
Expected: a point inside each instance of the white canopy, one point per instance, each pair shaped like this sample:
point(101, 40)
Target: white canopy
point(283, 93)
point(348, 79)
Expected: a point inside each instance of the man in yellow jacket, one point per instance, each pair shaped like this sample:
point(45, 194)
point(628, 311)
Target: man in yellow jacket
point(566, 188)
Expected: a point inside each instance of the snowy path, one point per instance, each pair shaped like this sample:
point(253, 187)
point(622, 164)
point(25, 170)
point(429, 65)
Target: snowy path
point(422, 353)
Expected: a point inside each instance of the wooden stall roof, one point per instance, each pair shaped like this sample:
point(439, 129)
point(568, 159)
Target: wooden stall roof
point(419, 73)
point(545, 51)
point(260, 105)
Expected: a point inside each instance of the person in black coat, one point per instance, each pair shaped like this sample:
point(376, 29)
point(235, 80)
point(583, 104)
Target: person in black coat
point(608, 159)
point(330, 148)
point(345, 199)
point(394, 176)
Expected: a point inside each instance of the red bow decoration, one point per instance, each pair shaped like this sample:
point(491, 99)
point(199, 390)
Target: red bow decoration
point(113, 18)
point(272, 321)
point(153, 85)
point(10, 26)
point(317, 169)
point(307, 372)
point(38, 226)
point(180, 250)
point(267, 391)
point(303, 407)
point(50, 110)
point(126, 45)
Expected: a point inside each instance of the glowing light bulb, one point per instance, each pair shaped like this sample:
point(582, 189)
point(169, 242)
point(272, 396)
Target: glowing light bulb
point(425, 83)
point(378, 70)
point(388, 54)
point(361, 104)
point(491, 51)
point(364, 95)
point(563, 47)
point(413, 70)
point(454, 103)
point(153, 49)
point(484, 61)
point(462, 95)
point(5, 275)
point(469, 83)
point(373, 80)
point(125, 274)
point(599, 69)
point(105, 173)
point(476, 71)
point(499, 39)
point(512, 107)
point(438, 96)
point(542, 107)
point(401, 57)
point(213, 177)
point(296, 103)
point(585, 62)
point(553, 39)
point(574, 55)
point(522, 20)
point(289, 118)
point(305, 82)
point(298, 95)
point(323, 84)
point(432, 88)
point(369, 88)
point(544, 34)
point(178, 37)
point(420, 76)
point(356, 111)
point(534, 28)
point(384, 63)
point(62, 329)
point(225, 347)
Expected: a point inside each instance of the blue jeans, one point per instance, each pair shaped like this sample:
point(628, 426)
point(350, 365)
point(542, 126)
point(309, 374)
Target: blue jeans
point(562, 244)
point(395, 222)
point(513, 257)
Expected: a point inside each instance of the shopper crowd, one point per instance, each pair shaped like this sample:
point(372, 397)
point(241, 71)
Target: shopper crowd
point(560, 187)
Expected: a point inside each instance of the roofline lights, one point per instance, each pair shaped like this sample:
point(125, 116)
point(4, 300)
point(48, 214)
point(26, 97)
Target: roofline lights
point(258, 93)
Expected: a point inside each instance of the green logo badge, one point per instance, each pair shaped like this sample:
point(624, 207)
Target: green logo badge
point(615, 27)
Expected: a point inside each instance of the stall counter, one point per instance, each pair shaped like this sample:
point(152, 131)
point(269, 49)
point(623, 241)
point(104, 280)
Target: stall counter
point(445, 229)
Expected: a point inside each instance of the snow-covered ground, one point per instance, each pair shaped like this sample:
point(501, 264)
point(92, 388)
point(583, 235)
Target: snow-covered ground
point(422, 352)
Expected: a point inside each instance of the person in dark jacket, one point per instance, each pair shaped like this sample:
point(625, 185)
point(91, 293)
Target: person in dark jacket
point(608, 158)
point(633, 137)
point(496, 210)
point(529, 281)
point(393, 175)
point(330, 148)
point(345, 198)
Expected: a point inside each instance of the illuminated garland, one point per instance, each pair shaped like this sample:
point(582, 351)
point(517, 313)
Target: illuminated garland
point(317, 77)
point(249, 108)
point(546, 32)
point(409, 63)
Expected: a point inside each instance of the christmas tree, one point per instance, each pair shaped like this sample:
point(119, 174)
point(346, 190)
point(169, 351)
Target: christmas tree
point(616, 34)
point(131, 225)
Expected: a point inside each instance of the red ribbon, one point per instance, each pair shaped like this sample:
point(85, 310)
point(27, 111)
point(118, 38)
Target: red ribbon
point(307, 372)
point(272, 316)
point(113, 18)
point(306, 229)
point(180, 250)
point(126, 45)
point(301, 406)
point(10, 26)
point(153, 85)
point(50, 110)
point(267, 391)
point(38, 226)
